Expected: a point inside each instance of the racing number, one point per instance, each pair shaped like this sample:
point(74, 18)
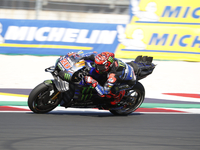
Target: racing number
point(66, 64)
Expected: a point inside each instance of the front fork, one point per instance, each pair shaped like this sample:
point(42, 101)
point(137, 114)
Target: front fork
point(51, 87)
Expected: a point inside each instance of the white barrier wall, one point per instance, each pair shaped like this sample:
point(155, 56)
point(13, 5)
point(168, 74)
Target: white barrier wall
point(69, 16)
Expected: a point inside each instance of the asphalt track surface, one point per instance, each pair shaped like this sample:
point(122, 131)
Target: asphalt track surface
point(98, 130)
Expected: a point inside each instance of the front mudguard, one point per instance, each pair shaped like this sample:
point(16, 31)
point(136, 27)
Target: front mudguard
point(50, 84)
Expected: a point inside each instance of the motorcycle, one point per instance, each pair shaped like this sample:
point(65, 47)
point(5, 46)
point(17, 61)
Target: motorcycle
point(72, 91)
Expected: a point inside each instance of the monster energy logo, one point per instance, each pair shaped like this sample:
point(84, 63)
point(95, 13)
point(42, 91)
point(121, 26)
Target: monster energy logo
point(67, 76)
point(87, 93)
point(110, 59)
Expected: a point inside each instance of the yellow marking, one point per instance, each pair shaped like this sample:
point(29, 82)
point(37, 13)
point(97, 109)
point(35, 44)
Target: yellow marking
point(45, 46)
point(17, 95)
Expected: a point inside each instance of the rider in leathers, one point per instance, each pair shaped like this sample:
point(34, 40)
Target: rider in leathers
point(119, 76)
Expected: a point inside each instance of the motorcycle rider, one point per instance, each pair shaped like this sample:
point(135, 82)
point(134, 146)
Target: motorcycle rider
point(120, 75)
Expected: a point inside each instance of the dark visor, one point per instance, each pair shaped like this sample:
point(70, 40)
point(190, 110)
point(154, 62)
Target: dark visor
point(100, 67)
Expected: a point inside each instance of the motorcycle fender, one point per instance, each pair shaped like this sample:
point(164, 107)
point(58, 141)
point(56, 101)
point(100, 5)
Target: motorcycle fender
point(49, 83)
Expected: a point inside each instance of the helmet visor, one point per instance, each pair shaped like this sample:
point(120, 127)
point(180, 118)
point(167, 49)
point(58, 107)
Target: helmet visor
point(100, 68)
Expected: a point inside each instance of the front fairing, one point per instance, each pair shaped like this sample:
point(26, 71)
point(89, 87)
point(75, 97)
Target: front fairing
point(71, 64)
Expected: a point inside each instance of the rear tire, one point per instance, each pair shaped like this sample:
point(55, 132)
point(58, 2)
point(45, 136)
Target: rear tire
point(40, 96)
point(133, 101)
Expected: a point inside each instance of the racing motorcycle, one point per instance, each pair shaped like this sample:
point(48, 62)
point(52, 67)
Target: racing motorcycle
point(72, 90)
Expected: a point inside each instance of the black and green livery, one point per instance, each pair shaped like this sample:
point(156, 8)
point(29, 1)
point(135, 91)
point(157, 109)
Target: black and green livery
point(84, 93)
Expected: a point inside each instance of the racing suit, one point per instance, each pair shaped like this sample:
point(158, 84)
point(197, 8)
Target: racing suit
point(119, 77)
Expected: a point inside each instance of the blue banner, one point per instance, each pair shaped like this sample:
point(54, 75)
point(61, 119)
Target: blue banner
point(39, 37)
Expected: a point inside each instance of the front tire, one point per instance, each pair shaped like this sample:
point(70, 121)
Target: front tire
point(131, 102)
point(40, 96)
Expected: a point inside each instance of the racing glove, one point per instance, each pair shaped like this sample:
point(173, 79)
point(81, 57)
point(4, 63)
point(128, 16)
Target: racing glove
point(91, 81)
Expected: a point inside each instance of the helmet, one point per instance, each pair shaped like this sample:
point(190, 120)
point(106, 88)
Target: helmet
point(104, 61)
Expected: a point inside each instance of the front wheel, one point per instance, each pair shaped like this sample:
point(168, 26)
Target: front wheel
point(132, 100)
point(43, 98)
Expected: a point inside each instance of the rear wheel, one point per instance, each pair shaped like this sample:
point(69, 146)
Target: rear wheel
point(43, 99)
point(131, 101)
